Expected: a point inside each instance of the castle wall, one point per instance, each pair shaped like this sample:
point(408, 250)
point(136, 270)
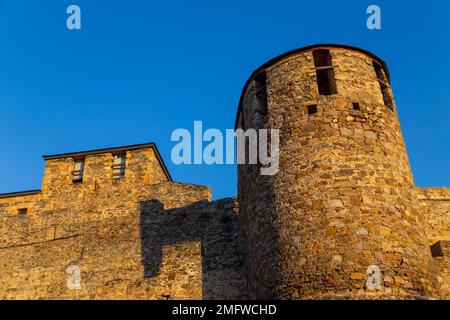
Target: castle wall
point(435, 204)
point(102, 237)
point(176, 250)
point(343, 202)
point(343, 199)
point(212, 231)
point(140, 237)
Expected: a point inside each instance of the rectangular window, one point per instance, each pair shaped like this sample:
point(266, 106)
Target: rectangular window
point(384, 85)
point(119, 166)
point(23, 212)
point(322, 58)
point(78, 170)
point(324, 72)
point(261, 93)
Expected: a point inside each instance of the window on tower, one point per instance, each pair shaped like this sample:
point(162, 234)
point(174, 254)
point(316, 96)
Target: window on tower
point(261, 92)
point(312, 109)
point(384, 85)
point(324, 72)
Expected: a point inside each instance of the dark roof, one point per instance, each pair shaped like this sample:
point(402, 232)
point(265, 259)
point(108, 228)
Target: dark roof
point(19, 194)
point(112, 150)
point(304, 49)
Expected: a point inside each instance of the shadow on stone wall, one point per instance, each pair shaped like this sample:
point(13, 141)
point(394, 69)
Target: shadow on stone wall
point(194, 251)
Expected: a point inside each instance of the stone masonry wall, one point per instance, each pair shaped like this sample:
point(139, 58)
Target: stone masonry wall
point(435, 204)
point(211, 229)
point(108, 228)
point(343, 199)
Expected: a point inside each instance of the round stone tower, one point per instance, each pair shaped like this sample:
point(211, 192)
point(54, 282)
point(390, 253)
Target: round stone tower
point(339, 219)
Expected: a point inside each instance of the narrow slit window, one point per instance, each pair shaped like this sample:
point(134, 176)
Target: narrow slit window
point(261, 92)
point(356, 106)
point(312, 109)
point(23, 212)
point(324, 72)
point(384, 85)
point(78, 170)
point(119, 166)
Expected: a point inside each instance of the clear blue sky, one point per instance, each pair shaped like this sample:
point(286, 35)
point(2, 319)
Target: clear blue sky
point(140, 69)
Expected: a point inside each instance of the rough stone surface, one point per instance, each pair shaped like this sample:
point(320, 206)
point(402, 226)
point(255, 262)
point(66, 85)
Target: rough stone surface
point(343, 203)
point(140, 237)
point(435, 204)
point(344, 198)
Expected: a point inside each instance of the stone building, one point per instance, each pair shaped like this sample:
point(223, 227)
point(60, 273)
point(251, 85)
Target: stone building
point(116, 217)
point(342, 219)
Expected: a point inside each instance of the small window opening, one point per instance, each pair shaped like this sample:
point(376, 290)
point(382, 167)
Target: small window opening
point(325, 82)
point(356, 106)
point(261, 92)
point(78, 170)
point(322, 58)
point(324, 72)
point(384, 85)
point(23, 212)
point(119, 166)
point(312, 109)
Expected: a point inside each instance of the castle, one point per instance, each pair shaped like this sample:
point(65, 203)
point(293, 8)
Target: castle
point(342, 219)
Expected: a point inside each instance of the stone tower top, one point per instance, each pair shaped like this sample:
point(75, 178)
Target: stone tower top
point(297, 51)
